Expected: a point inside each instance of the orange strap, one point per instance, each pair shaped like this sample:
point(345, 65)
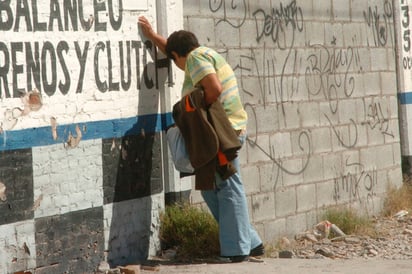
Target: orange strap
point(222, 158)
point(188, 107)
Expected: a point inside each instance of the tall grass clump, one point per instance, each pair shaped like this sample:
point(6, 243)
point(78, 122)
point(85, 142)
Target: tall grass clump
point(398, 199)
point(349, 221)
point(192, 231)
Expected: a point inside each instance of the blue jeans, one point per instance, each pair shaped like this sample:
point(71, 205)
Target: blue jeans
point(228, 205)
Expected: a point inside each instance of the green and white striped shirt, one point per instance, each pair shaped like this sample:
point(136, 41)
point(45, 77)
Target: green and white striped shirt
point(203, 61)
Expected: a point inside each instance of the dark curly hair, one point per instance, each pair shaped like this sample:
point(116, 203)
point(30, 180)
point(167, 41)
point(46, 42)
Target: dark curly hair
point(182, 42)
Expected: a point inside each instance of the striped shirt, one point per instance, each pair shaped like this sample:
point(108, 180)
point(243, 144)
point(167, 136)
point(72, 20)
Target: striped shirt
point(203, 61)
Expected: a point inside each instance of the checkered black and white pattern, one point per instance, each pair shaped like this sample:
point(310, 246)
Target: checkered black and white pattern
point(67, 209)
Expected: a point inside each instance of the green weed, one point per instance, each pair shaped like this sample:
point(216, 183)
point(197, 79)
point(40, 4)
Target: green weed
point(349, 221)
point(398, 199)
point(193, 232)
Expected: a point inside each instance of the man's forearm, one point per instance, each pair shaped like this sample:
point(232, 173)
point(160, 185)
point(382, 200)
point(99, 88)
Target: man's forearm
point(159, 41)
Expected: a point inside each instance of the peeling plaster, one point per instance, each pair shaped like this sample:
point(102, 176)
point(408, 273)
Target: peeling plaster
point(36, 203)
point(124, 151)
point(72, 141)
point(113, 146)
point(3, 132)
point(53, 123)
point(32, 101)
point(3, 196)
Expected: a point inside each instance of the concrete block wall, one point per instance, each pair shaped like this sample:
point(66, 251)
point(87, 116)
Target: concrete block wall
point(318, 80)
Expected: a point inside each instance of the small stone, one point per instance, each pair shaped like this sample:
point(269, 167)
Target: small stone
point(373, 252)
point(401, 214)
point(325, 252)
point(311, 237)
point(103, 267)
point(285, 254)
point(169, 254)
point(407, 231)
point(352, 240)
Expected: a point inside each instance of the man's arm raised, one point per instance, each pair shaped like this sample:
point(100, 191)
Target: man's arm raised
point(148, 31)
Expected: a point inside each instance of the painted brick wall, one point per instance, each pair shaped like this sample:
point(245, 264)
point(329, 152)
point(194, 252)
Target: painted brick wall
point(83, 164)
point(318, 80)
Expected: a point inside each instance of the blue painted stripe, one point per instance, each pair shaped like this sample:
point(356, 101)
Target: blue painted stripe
point(405, 98)
point(42, 136)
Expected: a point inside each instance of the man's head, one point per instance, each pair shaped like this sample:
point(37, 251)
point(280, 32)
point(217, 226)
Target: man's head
point(180, 43)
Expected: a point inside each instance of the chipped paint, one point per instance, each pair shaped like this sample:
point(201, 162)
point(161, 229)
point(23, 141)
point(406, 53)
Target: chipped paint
point(3, 132)
point(32, 101)
point(124, 152)
point(10, 120)
point(53, 123)
point(3, 196)
point(113, 147)
point(37, 203)
point(35, 101)
point(72, 141)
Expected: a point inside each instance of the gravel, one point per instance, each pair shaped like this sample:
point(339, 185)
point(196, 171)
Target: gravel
point(393, 241)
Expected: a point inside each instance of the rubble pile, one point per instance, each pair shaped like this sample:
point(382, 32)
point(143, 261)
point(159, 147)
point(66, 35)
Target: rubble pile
point(392, 241)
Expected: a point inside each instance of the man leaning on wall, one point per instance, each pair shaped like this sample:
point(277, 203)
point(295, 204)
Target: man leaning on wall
point(206, 69)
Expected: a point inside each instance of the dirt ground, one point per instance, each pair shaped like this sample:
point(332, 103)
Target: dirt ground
point(390, 251)
point(293, 266)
